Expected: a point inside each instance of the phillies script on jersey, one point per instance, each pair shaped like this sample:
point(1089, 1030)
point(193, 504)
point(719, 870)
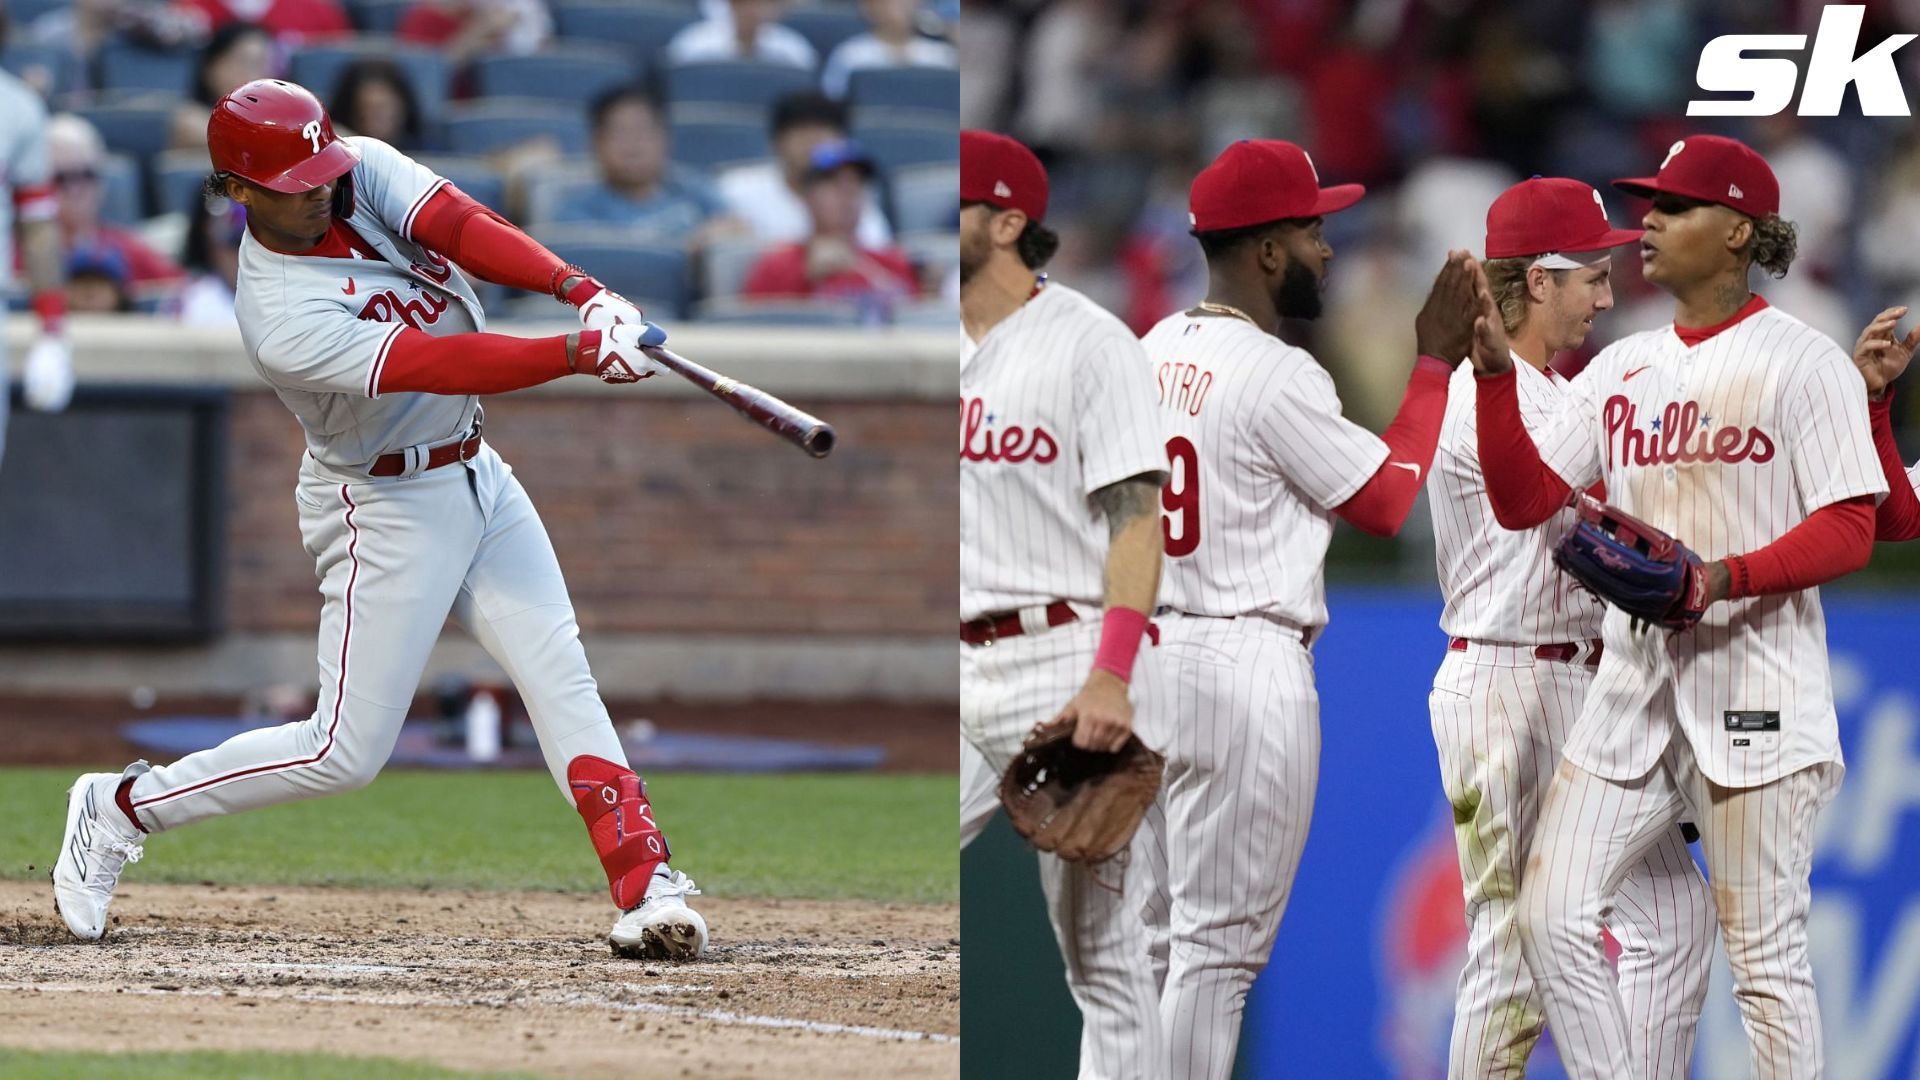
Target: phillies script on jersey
point(980, 440)
point(1679, 434)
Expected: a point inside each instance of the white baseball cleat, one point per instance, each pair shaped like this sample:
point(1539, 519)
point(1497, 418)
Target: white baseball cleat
point(662, 927)
point(98, 845)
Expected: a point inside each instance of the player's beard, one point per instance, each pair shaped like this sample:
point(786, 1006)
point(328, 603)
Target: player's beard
point(975, 249)
point(1299, 295)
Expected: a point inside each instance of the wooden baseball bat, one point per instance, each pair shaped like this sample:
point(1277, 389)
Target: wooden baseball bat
point(804, 430)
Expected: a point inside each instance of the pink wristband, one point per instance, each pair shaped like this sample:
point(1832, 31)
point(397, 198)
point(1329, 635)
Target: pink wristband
point(1120, 632)
point(1433, 365)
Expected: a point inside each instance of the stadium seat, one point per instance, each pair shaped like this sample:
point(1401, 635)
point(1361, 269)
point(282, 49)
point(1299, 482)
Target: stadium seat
point(378, 16)
point(472, 175)
point(549, 190)
point(925, 197)
point(899, 148)
point(22, 12)
point(930, 88)
point(642, 27)
point(40, 67)
point(318, 68)
point(734, 83)
point(142, 130)
point(120, 190)
point(179, 178)
point(481, 127)
point(571, 75)
point(708, 144)
point(825, 27)
point(743, 312)
point(125, 67)
point(725, 262)
point(628, 266)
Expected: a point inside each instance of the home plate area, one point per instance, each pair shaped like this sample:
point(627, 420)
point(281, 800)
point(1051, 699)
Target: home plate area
point(488, 981)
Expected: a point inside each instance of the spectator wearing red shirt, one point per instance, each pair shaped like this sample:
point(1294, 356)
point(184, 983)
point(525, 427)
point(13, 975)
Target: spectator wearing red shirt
point(297, 20)
point(78, 154)
point(830, 263)
point(464, 30)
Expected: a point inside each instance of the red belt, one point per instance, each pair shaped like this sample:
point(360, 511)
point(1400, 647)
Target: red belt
point(1563, 652)
point(396, 463)
point(990, 628)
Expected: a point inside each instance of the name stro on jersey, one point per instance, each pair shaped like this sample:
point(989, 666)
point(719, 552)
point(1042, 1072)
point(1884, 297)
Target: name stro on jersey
point(1012, 443)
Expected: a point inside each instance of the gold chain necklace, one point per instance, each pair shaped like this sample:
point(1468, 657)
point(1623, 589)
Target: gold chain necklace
point(1212, 308)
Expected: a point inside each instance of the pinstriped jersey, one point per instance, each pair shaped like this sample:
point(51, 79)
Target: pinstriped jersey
point(1056, 402)
point(1260, 454)
point(1727, 445)
point(1500, 585)
point(318, 329)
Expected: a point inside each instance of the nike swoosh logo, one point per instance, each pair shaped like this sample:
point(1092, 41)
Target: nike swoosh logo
point(1407, 465)
point(349, 289)
point(1634, 372)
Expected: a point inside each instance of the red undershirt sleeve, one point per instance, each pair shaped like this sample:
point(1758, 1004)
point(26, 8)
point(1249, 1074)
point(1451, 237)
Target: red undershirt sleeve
point(1524, 490)
point(1834, 541)
point(474, 363)
point(484, 243)
point(1898, 516)
point(1381, 505)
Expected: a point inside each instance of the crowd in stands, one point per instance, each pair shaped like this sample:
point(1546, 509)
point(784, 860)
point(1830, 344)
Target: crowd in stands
point(1437, 107)
point(744, 160)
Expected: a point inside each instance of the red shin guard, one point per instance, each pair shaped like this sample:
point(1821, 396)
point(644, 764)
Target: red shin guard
point(614, 805)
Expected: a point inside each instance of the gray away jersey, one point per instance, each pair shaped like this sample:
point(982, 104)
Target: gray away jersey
point(319, 329)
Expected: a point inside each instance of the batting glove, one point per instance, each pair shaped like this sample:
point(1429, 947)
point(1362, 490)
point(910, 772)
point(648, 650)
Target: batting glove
point(617, 357)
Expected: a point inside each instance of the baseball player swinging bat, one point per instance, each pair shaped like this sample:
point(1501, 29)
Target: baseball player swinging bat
point(802, 429)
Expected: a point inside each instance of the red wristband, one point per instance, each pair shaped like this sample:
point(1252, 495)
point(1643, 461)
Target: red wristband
point(1120, 632)
point(1434, 365)
point(1739, 585)
point(559, 277)
point(51, 305)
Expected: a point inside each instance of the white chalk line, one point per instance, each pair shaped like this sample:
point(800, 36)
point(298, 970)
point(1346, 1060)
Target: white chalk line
point(719, 1016)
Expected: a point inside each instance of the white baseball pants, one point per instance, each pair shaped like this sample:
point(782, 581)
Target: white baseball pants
point(1242, 769)
point(1500, 717)
point(394, 558)
point(1006, 688)
point(1758, 844)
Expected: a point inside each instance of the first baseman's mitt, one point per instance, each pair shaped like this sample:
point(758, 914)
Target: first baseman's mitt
point(1082, 805)
point(1633, 566)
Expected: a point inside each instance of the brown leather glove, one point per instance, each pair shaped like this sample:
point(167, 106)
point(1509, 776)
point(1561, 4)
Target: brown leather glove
point(1081, 805)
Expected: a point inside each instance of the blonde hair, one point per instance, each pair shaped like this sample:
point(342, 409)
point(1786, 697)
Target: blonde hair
point(1508, 280)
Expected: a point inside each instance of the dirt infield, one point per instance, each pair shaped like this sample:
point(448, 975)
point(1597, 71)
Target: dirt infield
point(488, 980)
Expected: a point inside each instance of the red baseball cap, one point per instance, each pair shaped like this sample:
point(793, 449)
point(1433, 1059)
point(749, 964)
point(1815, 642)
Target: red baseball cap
point(1259, 180)
point(1001, 172)
point(1548, 215)
point(1715, 169)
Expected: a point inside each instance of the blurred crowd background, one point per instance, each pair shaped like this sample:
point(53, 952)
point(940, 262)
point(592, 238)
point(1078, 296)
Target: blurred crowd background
point(751, 161)
point(1437, 106)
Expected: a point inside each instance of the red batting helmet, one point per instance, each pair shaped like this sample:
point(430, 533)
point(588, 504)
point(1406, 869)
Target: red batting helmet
point(277, 135)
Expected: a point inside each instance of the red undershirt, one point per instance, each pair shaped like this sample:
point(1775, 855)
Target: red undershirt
point(1898, 517)
point(1833, 541)
point(1381, 505)
point(491, 249)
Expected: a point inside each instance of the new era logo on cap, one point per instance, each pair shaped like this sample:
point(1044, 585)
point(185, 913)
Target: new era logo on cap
point(1001, 172)
point(1734, 192)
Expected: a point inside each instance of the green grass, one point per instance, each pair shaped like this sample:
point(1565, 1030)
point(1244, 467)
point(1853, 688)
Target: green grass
point(828, 836)
point(53, 1065)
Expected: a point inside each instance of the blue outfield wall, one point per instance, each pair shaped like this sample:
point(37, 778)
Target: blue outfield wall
point(1361, 981)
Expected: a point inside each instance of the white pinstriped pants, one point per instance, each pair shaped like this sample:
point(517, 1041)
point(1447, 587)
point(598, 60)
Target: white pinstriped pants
point(1005, 689)
point(1758, 844)
point(1500, 716)
point(1242, 769)
point(979, 793)
point(394, 558)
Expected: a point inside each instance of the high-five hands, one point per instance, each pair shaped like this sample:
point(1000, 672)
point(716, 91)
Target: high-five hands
point(1491, 353)
point(1444, 327)
point(1881, 354)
